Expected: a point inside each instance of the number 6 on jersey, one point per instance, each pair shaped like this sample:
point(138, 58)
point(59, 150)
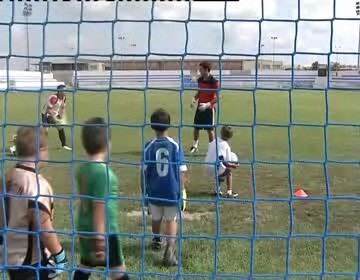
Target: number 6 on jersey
point(162, 162)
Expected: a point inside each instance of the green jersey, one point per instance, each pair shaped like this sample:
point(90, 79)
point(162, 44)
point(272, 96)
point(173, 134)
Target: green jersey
point(99, 183)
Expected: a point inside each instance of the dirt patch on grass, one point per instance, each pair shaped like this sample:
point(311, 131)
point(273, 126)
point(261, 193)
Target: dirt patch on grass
point(194, 216)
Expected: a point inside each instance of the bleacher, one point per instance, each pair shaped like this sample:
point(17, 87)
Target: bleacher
point(106, 80)
point(101, 80)
point(346, 81)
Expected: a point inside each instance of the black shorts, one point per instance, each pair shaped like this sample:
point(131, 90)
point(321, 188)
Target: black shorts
point(115, 254)
point(48, 121)
point(29, 274)
point(205, 119)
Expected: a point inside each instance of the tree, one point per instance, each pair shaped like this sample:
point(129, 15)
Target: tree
point(315, 65)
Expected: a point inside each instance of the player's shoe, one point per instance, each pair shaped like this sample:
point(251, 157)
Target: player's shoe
point(217, 192)
point(156, 244)
point(193, 149)
point(232, 195)
point(67, 148)
point(147, 211)
point(170, 256)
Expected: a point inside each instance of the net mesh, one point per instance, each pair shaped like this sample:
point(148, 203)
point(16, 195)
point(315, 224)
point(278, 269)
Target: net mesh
point(266, 261)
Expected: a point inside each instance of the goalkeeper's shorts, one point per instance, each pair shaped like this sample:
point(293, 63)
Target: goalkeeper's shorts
point(30, 273)
point(205, 119)
point(48, 120)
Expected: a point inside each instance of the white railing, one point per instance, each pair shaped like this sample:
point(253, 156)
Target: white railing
point(26, 80)
point(106, 80)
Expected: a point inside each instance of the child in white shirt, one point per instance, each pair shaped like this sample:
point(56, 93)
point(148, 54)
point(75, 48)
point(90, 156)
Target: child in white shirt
point(219, 162)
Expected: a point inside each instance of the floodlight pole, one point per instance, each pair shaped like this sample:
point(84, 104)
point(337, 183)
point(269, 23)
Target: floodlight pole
point(337, 48)
point(123, 38)
point(261, 47)
point(274, 38)
point(357, 10)
point(27, 12)
point(358, 58)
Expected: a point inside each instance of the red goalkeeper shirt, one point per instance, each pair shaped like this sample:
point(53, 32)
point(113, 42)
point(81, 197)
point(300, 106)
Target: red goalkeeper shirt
point(207, 90)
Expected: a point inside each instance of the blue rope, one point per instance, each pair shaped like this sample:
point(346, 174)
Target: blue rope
point(217, 237)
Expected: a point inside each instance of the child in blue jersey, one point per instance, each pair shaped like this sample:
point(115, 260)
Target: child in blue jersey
point(164, 179)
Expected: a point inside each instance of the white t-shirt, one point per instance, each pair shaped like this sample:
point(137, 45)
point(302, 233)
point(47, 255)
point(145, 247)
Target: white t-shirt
point(215, 154)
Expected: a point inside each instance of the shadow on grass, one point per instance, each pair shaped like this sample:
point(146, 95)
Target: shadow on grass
point(196, 155)
point(128, 153)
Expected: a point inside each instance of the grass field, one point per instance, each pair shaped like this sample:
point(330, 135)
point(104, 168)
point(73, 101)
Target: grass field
point(276, 235)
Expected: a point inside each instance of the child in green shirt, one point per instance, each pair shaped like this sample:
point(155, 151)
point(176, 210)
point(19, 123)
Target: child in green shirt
point(98, 212)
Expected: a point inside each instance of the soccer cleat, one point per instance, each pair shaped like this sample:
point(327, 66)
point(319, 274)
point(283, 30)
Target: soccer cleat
point(67, 148)
point(156, 244)
point(232, 195)
point(12, 150)
point(218, 193)
point(193, 149)
point(147, 211)
point(170, 256)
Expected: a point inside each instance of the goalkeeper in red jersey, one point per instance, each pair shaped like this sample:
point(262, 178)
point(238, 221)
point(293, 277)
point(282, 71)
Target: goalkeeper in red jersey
point(53, 114)
point(206, 99)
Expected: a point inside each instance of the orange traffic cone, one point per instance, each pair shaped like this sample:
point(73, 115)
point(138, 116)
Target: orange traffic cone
point(301, 193)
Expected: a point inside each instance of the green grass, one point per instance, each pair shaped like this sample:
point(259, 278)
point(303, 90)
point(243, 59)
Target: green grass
point(241, 218)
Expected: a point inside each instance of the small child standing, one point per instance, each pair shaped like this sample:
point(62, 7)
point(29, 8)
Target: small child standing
point(220, 151)
point(164, 180)
point(29, 208)
point(98, 215)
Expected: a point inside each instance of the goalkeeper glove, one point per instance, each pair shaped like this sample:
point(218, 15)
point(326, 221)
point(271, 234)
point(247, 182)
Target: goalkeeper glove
point(57, 264)
point(204, 106)
point(193, 102)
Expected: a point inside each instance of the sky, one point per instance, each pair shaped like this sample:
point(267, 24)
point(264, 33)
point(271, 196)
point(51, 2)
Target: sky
point(171, 29)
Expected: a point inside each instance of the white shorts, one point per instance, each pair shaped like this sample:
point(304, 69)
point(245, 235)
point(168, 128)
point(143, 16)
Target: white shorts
point(168, 213)
point(211, 170)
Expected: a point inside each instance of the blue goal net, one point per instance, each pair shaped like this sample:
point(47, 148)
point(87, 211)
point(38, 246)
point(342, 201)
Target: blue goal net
point(288, 73)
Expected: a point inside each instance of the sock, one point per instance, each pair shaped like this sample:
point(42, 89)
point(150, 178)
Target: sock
point(81, 275)
point(196, 143)
point(157, 239)
point(229, 192)
point(62, 137)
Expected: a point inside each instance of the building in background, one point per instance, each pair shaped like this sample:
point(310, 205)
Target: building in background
point(70, 65)
point(189, 64)
point(63, 68)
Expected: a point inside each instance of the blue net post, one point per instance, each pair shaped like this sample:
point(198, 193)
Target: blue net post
point(290, 87)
